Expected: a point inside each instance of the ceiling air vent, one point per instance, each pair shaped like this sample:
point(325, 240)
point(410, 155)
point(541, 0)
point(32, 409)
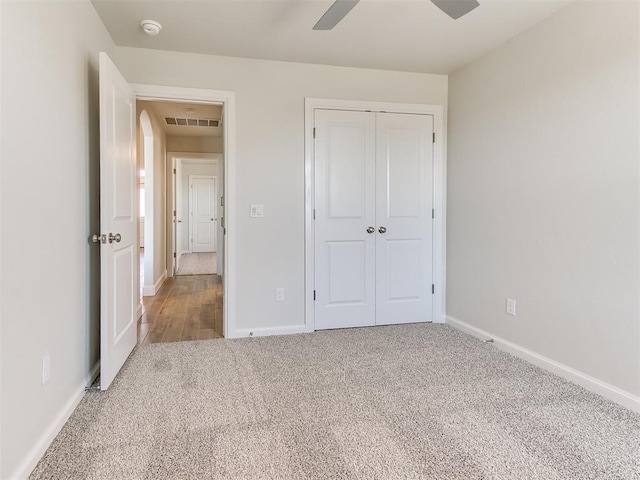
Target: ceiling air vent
point(192, 122)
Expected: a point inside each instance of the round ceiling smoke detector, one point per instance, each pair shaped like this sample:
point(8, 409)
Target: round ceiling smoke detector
point(151, 27)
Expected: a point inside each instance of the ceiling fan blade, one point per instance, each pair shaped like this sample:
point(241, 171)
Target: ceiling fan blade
point(456, 8)
point(336, 12)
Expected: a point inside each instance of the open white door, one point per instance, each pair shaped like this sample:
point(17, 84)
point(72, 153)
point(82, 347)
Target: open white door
point(118, 221)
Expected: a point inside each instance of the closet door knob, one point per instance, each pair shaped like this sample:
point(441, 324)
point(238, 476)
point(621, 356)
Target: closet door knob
point(371, 230)
point(382, 229)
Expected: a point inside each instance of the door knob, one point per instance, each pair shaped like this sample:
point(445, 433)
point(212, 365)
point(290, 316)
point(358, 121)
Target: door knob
point(115, 238)
point(382, 229)
point(99, 238)
point(371, 230)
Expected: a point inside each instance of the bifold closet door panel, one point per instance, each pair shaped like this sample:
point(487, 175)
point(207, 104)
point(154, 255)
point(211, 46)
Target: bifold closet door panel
point(344, 183)
point(404, 225)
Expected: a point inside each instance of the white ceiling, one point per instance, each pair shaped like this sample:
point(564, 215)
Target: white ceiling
point(405, 35)
point(187, 110)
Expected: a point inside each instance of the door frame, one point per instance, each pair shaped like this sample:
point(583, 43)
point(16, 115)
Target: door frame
point(215, 227)
point(439, 192)
point(186, 158)
point(228, 101)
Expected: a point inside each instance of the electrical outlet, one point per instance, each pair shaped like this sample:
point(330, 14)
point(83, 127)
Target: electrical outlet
point(279, 294)
point(511, 306)
point(46, 368)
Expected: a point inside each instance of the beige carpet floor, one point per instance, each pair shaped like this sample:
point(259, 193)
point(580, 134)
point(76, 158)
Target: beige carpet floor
point(197, 264)
point(402, 402)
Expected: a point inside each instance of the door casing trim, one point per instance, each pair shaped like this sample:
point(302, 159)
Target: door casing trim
point(172, 161)
point(439, 192)
point(228, 101)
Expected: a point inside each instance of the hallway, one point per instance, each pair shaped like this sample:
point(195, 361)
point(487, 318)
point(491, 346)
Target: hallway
point(199, 263)
point(186, 308)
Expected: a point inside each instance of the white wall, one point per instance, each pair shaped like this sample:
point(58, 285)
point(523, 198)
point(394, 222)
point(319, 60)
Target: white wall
point(140, 166)
point(270, 155)
point(141, 223)
point(156, 189)
point(543, 191)
point(49, 194)
point(193, 144)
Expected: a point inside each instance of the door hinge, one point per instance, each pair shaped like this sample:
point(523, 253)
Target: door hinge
point(314, 132)
point(174, 213)
point(222, 201)
point(433, 213)
point(433, 289)
point(434, 137)
point(314, 295)
point(314, 213)
point(174, 254)
point(174, 171)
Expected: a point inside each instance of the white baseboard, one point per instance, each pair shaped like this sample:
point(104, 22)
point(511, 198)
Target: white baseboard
point(24, 469)
point(615, 394)
point(265, 332)
point(160, 281)
point(150, 291)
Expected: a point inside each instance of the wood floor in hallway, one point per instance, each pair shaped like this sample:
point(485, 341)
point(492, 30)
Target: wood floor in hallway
point(186, 308)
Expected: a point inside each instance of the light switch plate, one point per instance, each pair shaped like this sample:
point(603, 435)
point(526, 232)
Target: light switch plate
point(257, 211)
point(511, 306)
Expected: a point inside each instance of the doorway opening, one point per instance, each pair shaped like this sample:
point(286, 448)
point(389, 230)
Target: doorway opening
point(198, 198)
point(120, 323)
point(145, 161)
point(182, 214)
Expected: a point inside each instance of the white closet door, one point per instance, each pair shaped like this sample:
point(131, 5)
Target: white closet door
point(404, 199)
point(345, 208)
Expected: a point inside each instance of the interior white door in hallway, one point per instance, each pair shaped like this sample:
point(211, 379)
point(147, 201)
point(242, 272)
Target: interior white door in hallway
point(118, 221)
point(202, 211)
point(373, 218)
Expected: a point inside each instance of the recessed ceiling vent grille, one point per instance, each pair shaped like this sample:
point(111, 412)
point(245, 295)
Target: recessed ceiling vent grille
point(192, 122)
